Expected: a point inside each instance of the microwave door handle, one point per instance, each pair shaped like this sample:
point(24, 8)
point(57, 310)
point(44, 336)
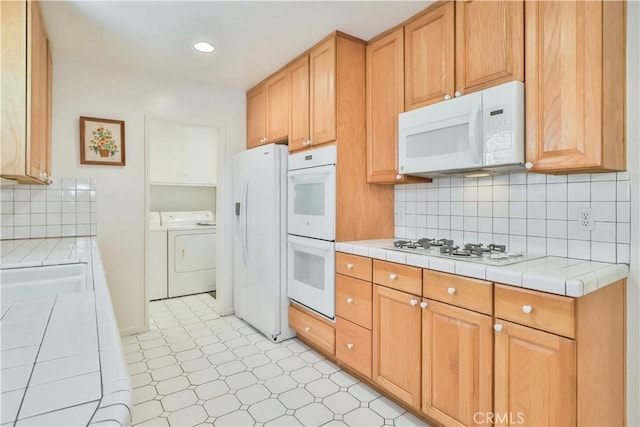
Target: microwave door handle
point(475, 139)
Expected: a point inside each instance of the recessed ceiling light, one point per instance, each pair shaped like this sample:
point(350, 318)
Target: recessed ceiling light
point(204, 47)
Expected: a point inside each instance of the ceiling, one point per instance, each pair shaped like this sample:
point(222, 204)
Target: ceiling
point(252, 39)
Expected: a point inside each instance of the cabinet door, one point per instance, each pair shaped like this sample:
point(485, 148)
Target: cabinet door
point(489, 43)
point(256, 116)
point(429, 61)
point(199, 155)
point(165, 152)
point(565, 97)
point(322, 94)
point(299, 100)
point(535, 377)
point(37, 145)
point(277, 113)
point(385, 100)
point(396, 343)
point(457, 358)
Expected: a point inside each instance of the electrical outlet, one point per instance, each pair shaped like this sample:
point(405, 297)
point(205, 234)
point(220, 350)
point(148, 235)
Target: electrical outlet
point(585, 219)
point(400, 213)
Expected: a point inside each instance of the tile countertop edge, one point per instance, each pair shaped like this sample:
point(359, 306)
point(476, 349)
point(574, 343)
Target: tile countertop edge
point(552, 281)
point(114, 405)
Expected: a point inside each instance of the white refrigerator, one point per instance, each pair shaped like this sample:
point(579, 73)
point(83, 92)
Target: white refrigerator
point(260, 239)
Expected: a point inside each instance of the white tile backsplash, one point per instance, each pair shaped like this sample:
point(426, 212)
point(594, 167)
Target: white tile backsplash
point(67, 207)
point(529, 212)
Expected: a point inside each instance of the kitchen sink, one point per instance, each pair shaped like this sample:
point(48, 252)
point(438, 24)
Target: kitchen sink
point(27, 283)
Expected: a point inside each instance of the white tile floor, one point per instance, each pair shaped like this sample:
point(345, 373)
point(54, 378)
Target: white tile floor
point(197, 368)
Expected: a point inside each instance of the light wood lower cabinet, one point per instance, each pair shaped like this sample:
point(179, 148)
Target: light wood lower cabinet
point(314, 330)
point(396, 343)
point(535, 377)
point(457, 357)
point(353, 346)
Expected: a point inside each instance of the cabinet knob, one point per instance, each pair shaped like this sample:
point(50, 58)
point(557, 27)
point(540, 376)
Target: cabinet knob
point(451, 291)
point(497, 327)
point(307, 328)
point(349, 300)
point(350, 346)
point(528, 165)
point(350, 266)
point(413, 302)
point(398, 177)
point(447, 97)
point(457, 94)
point(423, 304)
point(393, 276)
point(527, 309)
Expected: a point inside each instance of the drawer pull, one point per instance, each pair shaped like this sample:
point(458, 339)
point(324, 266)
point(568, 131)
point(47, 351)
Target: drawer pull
point(393, 276)
point(423, 304)
point(527, 309)
point(350, 266)
point(413, 302)
point(451, 291)
point(349, 300)
point(497, 327)
point(350, 346)
point(307, 328)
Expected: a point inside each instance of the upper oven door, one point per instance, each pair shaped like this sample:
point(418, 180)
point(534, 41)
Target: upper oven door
point(312, 202)
point(441, 137)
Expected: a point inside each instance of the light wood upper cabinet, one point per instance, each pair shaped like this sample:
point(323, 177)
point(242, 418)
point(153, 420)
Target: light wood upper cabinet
point(322, 94)
point(489, 43)
point(277, 108)
point(256, 116)
point(575, 99)
point(299, 103)
point(396, 343)
point(385, 100)
point(429, 57)
point(457, 359)
point(535, 377)
point(26, 94)
point(268, 111)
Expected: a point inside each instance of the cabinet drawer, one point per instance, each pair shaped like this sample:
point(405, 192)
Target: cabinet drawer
point(353, 346)
point(397, 276)
point(551, 313)
point(314, 330)
point(354, 266)
point(472, 294)
point(353, 300)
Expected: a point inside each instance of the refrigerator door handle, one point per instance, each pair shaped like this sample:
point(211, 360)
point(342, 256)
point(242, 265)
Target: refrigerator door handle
point(245, 196)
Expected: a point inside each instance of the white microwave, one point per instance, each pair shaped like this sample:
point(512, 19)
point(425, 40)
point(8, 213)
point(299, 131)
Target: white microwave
point(482, 131)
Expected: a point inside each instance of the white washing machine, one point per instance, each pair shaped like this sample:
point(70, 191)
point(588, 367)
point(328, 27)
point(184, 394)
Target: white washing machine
point(157, 258)
point(191, 252)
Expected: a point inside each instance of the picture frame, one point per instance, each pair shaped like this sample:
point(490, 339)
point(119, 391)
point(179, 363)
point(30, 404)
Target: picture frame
point(101, 141)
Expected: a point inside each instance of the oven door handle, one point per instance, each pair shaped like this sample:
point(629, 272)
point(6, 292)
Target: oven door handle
point(307, 177)
point(475, 137)
point(245, 198)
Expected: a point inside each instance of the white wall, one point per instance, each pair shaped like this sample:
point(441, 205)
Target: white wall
point(633, 162)
point(84, 90)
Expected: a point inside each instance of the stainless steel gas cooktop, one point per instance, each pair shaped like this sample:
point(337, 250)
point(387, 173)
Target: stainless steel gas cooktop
point(491, 254)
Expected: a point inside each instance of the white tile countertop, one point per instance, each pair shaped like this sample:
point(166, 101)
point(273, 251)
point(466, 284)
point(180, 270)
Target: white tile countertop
point(562, 276)
point(62, 359)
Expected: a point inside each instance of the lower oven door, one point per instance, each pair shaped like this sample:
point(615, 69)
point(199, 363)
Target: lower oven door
point(311, 274)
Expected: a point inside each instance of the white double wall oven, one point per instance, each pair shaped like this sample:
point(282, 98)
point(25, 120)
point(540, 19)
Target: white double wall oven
point(312, 229)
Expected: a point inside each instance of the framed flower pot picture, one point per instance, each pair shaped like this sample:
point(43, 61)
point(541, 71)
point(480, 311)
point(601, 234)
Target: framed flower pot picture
point(101, 141)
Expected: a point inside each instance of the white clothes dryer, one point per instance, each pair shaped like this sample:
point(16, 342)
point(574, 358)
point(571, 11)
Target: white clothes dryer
point(191, 252)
